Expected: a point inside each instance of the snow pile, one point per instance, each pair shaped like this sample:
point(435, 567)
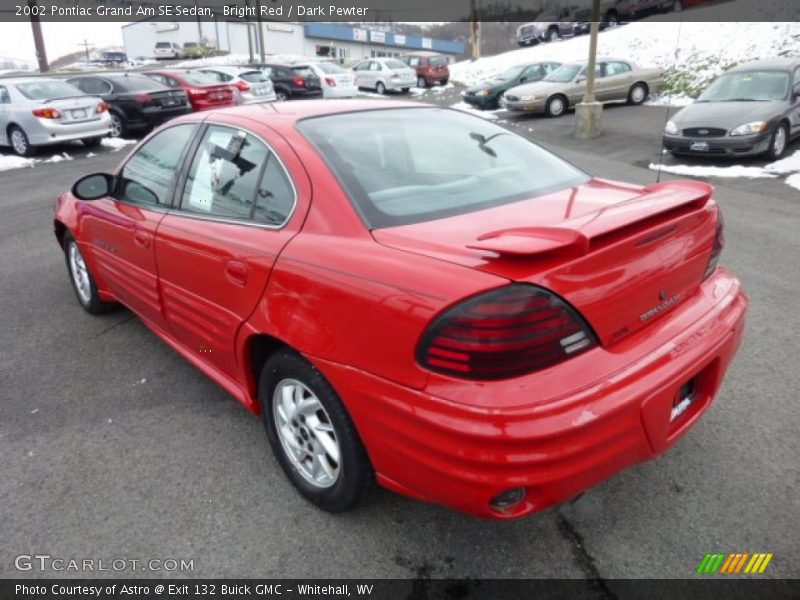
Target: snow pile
point(692, 53)
point(15, 162)
point(483, 114)
point(786, 166)
point(56, 158)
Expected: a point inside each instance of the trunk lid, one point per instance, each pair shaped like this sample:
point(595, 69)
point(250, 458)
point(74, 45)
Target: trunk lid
point(622, 255)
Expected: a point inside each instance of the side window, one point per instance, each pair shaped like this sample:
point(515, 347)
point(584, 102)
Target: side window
point(374, 66)
point(617, 68)
point(275, 199)
point(5, 98)
point(796, 77)
point(224, 177)
point(158, 78)
point(172, 82)
point(414, 62)
point(93, 85)
point(148, 175)
point(361, 67)
point(533, 73)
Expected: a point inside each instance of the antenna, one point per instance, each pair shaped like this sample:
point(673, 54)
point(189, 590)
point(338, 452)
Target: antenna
point(669, 101)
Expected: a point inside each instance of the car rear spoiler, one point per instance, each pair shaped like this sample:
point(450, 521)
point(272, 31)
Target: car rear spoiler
point(574, 237)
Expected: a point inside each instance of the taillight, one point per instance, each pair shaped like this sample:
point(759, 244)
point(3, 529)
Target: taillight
point(242, 86)
point(47, 113)
point(299, 81)
point(719, 244)
point(504, 333)
point(330, 81)
point(197, 92)
point(143, 98)
point(101, 108)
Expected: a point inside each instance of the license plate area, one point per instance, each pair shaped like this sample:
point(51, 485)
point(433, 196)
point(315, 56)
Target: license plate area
point(78, 113)
point(698, 146)
point(685, 397)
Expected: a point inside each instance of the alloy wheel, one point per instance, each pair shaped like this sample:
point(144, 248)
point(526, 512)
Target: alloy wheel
point(779, 142)
point(306, 433)
point(80, 274)
point(19, 142)
point(637, 94)
point(116, 127)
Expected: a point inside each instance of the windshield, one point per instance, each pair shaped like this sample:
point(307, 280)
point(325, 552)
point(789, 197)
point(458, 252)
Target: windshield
point(402, 166)
point(750, 86)
point(564, 74)
point(510, 73)
point(48, 90)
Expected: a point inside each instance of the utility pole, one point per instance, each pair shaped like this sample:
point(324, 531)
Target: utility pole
point(262, 50)
point(38, 39)
point(86, 45)
point(249, 32)
point(589, 112)
point(475, 40)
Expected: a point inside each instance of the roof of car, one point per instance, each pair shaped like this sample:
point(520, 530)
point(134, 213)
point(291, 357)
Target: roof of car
point(780, 64)
point(16, 80)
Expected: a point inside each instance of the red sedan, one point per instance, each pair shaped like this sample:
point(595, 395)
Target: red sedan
point(416, 296)
point(203, 90)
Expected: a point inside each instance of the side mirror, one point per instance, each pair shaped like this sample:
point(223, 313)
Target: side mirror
point(580, 80)
point(93, 186)
point(523, 79)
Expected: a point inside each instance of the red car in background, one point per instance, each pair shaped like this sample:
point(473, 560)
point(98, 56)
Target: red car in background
point(203, 90)
point(431, 68)
point(416, 296)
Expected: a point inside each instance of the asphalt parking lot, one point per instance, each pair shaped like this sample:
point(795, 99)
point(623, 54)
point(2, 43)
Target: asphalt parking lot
point(114, 446)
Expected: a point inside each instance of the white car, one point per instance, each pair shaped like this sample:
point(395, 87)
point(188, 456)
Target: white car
point(166, 50)
point(249, 85)
point(384, 74)
point(336, 82)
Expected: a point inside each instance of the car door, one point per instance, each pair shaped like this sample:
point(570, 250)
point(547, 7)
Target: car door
point(120, 229)
point(531, 74)
point(617, 81)
point(239, 206)
point(602, 85)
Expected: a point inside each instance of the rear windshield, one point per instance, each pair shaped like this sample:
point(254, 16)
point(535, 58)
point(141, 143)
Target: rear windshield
point(437, 61)
point(190, 44)
point(330, 68)
point(402, 166)
point(163, 45)
point(254, 76)
point(304, 71)
point(395, 64)
point(48, 90)
point(199, 78)
point(136, 83)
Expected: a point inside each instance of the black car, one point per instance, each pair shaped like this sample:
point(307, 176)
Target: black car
point(486, 94)
point(135, 102)
point(291, 81)
point(751, 109)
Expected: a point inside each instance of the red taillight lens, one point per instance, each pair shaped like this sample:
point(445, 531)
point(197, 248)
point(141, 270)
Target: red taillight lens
point(143, 98)
point(47, 113)
point(242, 86)
point(719, 244)
point(330, 81)
point(299, 81)
point(197, 92)
point(504, 333)
point(101, 108)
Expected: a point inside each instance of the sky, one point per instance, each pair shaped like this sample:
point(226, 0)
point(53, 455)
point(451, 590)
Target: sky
point(16, 39)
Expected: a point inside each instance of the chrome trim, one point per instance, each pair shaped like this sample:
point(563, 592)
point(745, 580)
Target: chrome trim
point(247, 222)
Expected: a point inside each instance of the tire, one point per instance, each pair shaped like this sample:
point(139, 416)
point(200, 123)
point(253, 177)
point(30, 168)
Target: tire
point(638, 94)
point(421, 83)
point(778, 142)
point(341, 482)
point(552, 35)
point(82, 280)
point(405, 90)
point(281, 95)
point(445, 81)
point(93, 142)
point(556, 106)
point(677, 6)
point(380, 88)
point(611, 19)
point(118, 128)
point(18, 140)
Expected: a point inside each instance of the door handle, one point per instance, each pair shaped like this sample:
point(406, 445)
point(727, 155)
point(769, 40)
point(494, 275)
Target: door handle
point(236, 272)
point(142, 238)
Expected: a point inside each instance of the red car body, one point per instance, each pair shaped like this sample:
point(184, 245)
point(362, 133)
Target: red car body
point(201, 96)
point(356, 303)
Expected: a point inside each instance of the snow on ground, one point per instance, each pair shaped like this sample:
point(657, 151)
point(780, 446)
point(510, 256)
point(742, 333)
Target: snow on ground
point(240, 59)
point(786, 166)
point(116, 143)
point(483, 114)
point(56, 158)
point(15, 162)
point(669, 99)
point(695, 52)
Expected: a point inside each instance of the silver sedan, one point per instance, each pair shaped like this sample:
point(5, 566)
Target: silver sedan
point(249, 85)
point(38, 111)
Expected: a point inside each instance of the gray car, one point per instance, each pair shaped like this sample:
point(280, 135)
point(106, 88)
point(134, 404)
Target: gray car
point(384, 74)
point(752, 109)
point(37, 111)
point(615, 80)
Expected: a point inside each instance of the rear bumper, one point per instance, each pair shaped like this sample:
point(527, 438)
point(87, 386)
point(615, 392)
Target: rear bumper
point(534, 106)
point(42, 132)
point(439, 450)
point(340, 92)
point(397, 85)
point(746, 145)
point(149, 119)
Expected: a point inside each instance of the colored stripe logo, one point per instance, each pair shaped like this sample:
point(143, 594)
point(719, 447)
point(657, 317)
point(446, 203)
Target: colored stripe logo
point(736, 562)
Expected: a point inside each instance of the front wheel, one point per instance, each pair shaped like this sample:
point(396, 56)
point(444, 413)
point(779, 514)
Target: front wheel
point(778, 142)
point(421, 82)
point(82, 281)
point(637, 94)
point(19, 142)
point(556, 106)
point(552, 35)
point(380, 88)
point(312, 435)
point(281, 95)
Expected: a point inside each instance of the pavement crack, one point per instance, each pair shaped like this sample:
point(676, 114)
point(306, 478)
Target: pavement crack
point(117, 324)
point(583, 559)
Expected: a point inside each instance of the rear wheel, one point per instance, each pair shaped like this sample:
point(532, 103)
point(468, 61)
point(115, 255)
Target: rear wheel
point(778, 142)
point(18, 140)
point(552, 35)
point(677, 6)
point(281, 95)
point(117, 128)
point(421, 82)
point(611, 19)
point(92, 142)
point(312, 435)
point(637, 94)
point(380, 88)
point(405, 90)
point(82, 280)
point(556, 106)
